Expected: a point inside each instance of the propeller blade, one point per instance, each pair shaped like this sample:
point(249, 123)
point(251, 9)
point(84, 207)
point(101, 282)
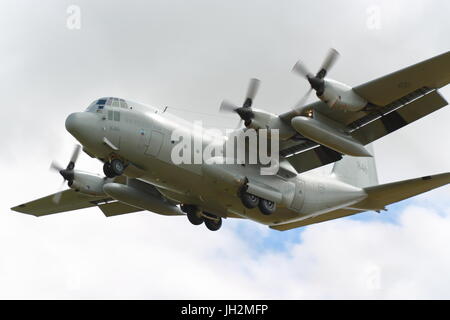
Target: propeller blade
point(301, 69)
point(55, 166)
point(328, 63)
point(227, 106)
point(252, 90)
point(301, 104)
point(57, 197)
point(73, 159)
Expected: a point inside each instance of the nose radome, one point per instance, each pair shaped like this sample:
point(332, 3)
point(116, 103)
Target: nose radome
point(81, 125)
point(71, 122)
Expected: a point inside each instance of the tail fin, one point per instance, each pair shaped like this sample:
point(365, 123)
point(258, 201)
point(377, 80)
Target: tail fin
point(357, 171)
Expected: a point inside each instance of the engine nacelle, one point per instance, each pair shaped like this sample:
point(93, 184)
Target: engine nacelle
point(340, 96)
point(265, 120)
point(88, 183)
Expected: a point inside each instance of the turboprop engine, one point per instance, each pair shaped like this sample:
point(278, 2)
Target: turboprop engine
point(87, 183)
point(340, 96)
point(254, 118)
point(335, 94)
point(83, 182)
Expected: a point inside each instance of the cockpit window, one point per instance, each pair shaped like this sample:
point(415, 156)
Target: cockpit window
point(97, 105)
point(100, 104)
point(123, 104)
point(115, 103)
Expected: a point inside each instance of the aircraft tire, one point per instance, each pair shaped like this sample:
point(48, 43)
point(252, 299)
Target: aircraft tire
point(108, 171)
point(249, 201)
point(267, 207)
point(194, 218)
point(117, 167)
point(213, 225)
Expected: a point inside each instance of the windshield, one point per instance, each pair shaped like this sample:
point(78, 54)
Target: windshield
point(97, 105)
point(100, 104)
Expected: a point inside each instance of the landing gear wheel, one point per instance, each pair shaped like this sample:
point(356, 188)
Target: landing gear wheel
point(108, 171)
point(192, 214)
point(250, 201)
point(213, 225)
point(267, 207)
point(117, 167)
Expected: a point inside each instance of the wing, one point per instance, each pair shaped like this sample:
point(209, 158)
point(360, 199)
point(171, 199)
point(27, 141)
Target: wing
point(395, 100)
point(431, 73)
point(70, 200)
point(378, 197)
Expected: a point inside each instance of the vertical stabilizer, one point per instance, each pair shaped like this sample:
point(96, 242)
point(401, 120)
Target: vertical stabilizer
point(357, 171)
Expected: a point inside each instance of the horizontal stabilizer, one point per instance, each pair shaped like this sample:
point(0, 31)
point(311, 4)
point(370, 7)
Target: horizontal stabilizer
point(378, 197)
point(385, 194)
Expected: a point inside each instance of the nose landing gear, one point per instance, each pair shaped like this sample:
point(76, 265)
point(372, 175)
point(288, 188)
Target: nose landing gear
point(114, 168)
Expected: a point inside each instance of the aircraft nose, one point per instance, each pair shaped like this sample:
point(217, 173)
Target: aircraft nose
point(74, 122)
point(80, 125)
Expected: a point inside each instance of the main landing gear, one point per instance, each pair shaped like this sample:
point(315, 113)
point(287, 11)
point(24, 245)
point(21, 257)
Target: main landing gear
point(251, 201)
point(196, 217)
point(114, 168)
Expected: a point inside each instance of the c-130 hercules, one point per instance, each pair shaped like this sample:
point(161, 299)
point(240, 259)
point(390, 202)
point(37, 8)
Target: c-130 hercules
point(135, 144)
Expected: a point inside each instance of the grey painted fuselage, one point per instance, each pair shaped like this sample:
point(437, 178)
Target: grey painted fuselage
point(141, 136)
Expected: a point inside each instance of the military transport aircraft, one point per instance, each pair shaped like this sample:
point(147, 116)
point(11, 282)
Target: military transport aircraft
point(135, 143)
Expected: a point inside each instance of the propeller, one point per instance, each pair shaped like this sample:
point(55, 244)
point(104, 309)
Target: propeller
point(245, 112)
point(67, 173)
point(317, 81)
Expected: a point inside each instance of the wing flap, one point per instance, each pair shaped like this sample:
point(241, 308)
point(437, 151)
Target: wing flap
point(396, 117)
point(314, 157)
point(117, 208)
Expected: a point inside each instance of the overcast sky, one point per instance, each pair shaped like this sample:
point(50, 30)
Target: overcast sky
point(189, 55)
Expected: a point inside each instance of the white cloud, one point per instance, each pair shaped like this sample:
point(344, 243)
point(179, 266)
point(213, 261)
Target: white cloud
point(85, 255)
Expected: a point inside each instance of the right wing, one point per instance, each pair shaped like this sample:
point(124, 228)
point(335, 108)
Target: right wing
point(395, 101)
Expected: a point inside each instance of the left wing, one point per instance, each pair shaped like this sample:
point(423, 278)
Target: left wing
point(70, 200)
